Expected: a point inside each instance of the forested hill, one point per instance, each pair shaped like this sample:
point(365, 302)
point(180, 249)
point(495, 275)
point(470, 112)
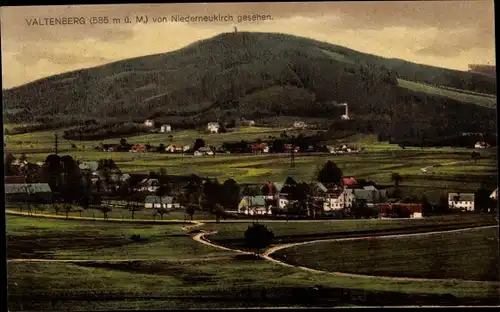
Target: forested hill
point(255, 75)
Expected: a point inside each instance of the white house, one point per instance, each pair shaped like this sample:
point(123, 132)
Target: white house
point(148, 185)
point(149, 123)
point(461, 201)
point(151, 202)
point(203, 151)
point(176, 148)
point(165, 128)
point(213, 127)
point(299, 125)
point(481, 145)
point(253, 205)
point(494, 194)
point(338, 199)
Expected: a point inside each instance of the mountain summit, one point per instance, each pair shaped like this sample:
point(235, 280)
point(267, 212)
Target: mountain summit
point(251, 75)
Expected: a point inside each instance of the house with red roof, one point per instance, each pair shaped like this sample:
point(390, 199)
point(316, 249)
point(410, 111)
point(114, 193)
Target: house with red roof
point(349, 182)
point(138, 149)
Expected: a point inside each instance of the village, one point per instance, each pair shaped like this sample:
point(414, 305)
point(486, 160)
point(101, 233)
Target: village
point(106, 187)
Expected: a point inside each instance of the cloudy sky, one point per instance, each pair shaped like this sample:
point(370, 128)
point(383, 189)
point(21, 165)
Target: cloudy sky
point(449, 34)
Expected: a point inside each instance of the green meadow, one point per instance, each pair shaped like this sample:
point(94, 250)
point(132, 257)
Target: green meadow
point(486, 100)
point(469, 255)
point(166, 268)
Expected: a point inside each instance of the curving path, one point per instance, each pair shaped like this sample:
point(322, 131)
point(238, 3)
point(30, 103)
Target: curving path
point(201, 238)
point(425, 169)
point(267, 254)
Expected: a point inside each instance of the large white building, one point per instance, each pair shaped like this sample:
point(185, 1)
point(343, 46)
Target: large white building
point(213, 127)
point(461, 201)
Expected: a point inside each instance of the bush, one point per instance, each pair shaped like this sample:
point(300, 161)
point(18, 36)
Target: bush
point(258, 236)
point(135, 237)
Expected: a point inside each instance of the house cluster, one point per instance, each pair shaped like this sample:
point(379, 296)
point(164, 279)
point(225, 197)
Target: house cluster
point(152, 124)
point(481, 144)
point(330, 200)
point(342, 149)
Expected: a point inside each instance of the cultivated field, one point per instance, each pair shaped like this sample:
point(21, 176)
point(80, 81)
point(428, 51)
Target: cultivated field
point(486, 100)
point(469, 255)
point(228, 234)
point(165, 268)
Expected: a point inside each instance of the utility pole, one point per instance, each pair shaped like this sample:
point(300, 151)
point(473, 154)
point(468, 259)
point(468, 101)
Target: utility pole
point(292, 158)
point(56, 143)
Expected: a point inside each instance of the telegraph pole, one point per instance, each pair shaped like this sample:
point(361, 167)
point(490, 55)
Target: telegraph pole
point(292, 158)
point(56, 143)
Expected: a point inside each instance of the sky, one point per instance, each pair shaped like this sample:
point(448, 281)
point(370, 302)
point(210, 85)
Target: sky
point(451, 34)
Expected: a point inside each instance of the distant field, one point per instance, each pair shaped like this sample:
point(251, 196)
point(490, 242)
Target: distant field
point(469, 97)
point(470, 255)
point(178, 272)
point(231, 234)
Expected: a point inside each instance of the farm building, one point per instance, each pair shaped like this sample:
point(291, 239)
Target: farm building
point(177, 148)
point(213, 127)
point(28, 192)
point(89, 165)
point(151, 202)
point(349, 182)
point(248, 123)
point(260, 148)
point(369, 194)
point(299, 125)
point(203, 151)
point(271, 189)
point(337, 199)
point(149, 123)
point(138, 149)
point(461, 201)
point(387, 210)
point(494, 194)
point(148, 185)
point(253, 205)
point(165, 128)
point(481, 145)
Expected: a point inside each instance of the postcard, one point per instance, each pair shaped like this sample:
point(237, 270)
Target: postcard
point(250, 155)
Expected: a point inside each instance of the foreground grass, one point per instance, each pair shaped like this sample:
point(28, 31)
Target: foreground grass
point(29, 237)
point(483, 100)
point(471, 255)
point(178, 272)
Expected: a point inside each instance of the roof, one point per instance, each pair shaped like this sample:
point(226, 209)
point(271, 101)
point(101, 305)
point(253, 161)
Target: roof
point(370, 188)
point(461, 196)
point(494, 194)
point(204, 149)
point(369, 195)
point(27, 188)
point(148, 181)
point(335, 193)
point(15, 179)
point(158, 199)
point(125, 176)
point(213, 124)
point(255, 200)
point(349, 181)
point(91, 165)
point(320, 186)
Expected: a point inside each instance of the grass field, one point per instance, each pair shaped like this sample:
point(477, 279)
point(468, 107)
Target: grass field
point(486, 100)
point(178, 272)
point(230, 234)
point(471, 255)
